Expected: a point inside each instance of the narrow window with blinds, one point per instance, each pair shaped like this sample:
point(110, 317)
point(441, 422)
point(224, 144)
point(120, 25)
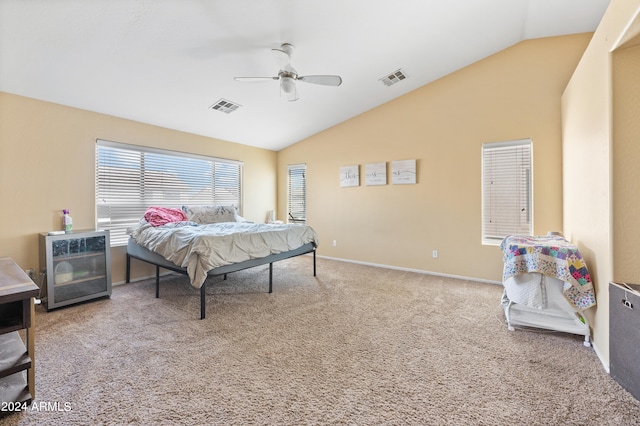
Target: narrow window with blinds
point(297, 193)
point(130, 179)
point(506, 190)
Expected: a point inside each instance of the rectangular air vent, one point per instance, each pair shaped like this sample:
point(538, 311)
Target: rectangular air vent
point(393, 78)
point(225, 106)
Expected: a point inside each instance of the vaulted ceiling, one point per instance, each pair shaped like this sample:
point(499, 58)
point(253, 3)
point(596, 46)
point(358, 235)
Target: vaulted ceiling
point(168, 62)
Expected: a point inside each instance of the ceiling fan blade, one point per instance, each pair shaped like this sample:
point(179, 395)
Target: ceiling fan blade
point(255, 78)
point(325, 80)
point(288, 75)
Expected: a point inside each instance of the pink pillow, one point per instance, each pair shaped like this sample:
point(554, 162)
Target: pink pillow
point(158, 216)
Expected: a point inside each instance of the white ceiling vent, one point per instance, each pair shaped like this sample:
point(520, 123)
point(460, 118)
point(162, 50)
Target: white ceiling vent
point(393, 78)
point(225, 106)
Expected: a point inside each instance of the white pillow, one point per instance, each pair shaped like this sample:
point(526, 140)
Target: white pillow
point(210, 214)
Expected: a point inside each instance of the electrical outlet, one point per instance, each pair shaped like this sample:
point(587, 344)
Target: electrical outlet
point(435, 254)
point(335, 243)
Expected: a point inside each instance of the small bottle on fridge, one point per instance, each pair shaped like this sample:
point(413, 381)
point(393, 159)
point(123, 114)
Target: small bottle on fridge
point(67, 222)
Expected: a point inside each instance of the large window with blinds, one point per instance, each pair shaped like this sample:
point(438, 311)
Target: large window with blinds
point(297, 193)
point(506, 190)
point(130, 179)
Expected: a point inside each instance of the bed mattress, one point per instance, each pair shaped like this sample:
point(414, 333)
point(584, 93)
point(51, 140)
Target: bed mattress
point(199, 249)
point(136, 250)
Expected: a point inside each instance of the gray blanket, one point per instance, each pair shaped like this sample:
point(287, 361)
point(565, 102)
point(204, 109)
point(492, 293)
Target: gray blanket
point(201, 248)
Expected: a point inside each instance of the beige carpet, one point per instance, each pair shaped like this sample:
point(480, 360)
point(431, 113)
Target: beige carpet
point(355, 345)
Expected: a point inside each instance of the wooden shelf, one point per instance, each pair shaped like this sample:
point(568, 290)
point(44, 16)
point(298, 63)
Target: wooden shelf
point(14, 388)
point(13, 354)
point(17, 368)
point(14, 316)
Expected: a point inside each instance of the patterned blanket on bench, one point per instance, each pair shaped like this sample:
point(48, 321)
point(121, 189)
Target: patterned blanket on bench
point(552, 256)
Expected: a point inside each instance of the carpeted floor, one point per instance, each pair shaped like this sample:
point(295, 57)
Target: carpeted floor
point(354, 345)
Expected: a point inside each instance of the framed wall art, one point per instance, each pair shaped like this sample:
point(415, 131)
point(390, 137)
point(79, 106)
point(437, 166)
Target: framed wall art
point(349, 176)
point(403, 172)
point(375, 174)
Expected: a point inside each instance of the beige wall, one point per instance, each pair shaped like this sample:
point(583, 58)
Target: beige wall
point(626, 155)
point(593, 176)
point(511, 95)
point(47, 163)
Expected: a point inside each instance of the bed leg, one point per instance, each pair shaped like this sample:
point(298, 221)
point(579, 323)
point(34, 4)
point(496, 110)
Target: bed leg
point(225, 277)
point(157, 281)
point(128, 276)
point(270, 277)
point(203, 300)
point(314, 262)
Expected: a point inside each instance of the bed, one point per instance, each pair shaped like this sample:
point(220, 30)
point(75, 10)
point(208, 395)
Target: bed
point(546, 285)
point(203, 243)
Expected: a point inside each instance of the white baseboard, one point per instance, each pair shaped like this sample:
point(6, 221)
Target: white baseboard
point(419, 271)
point(599, 355)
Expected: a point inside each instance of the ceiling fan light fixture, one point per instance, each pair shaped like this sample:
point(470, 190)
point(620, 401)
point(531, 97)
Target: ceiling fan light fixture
point(288, 85)
point(288, 76)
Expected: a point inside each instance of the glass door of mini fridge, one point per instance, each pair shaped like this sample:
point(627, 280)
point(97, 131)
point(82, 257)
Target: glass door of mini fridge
point(77, 267)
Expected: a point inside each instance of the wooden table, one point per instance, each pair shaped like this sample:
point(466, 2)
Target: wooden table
point(17, 292)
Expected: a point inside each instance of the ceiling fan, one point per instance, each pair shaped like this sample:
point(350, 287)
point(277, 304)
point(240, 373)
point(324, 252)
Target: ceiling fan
point(288, 75)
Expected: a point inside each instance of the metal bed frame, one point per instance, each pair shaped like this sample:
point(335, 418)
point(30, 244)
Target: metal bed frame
point(141, 253)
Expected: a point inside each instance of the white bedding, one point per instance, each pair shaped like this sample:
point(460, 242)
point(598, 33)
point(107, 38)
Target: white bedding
point(200, 248)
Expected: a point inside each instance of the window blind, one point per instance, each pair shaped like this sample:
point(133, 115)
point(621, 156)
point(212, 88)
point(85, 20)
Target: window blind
point(297, 193)
point(130, 179)
point(506, 190)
